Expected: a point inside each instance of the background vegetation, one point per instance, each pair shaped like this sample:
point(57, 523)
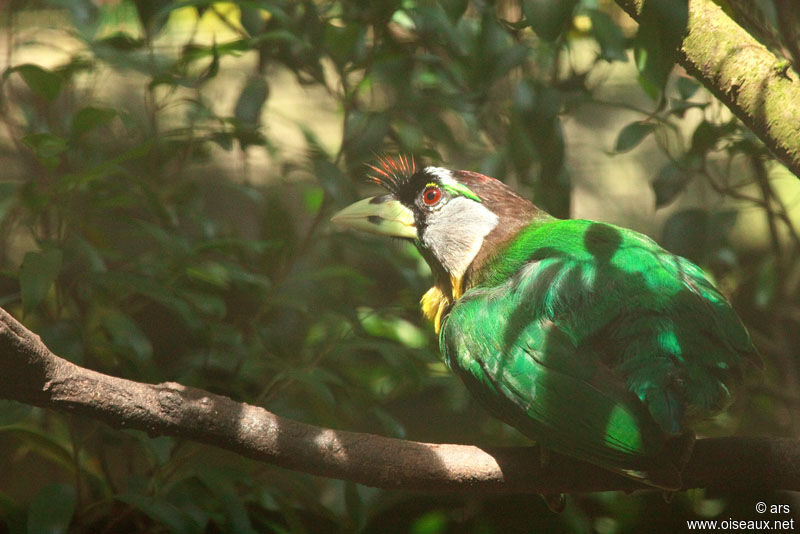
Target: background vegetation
point(168, 172)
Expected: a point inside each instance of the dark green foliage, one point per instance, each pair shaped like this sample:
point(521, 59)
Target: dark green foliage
point(142, 235)
point(662, 25)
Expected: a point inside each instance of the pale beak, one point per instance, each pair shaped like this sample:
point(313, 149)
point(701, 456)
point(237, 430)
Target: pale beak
point(383, 215)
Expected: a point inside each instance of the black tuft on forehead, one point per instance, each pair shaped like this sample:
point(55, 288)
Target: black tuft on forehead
point(392, 173)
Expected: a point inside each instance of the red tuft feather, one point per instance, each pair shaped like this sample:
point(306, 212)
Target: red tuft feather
point(391, 172)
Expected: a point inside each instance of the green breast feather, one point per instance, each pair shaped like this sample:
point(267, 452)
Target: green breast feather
point(599, 344)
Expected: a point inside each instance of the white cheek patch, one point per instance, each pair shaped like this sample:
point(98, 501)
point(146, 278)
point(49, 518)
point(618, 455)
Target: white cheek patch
point(455, 233)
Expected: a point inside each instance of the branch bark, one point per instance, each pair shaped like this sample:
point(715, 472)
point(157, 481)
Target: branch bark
point(761, 89)
point(34, 375)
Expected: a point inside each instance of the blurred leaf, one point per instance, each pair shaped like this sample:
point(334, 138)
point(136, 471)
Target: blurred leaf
point(48, 147)
point(124, 284)
point(678, 107)
point(707, 134)
point(125, 334)
point(8, 191)
point(394, 328)
point(251, 101)
point(45, 445)
point(609, 36)
point(662, 25)
point(766, 284)
point(42, 82)
point(433, 522)
point(392, 426)
point(238, 521)
point(342, 43)
point(685, 233)
point(364, 133)
point(89, 118)
point(210, 272)
point(121, 41)
point(13, 412)
point(13, 517)
point(671, 180)
point(152, 14)
point(36, 276)
point(548, 18)
point(687, 87)
point(632, 134)
point(206, 303)
point(455, 8)
point(65, 338)
point(52, 509)
point(163, 512)
point(312, 199)
point(354, 504)
point(252, 19)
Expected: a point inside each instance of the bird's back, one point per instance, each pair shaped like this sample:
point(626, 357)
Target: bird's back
point(599, 343)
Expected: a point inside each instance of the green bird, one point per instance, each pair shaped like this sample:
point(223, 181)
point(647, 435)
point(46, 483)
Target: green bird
point(587, 337)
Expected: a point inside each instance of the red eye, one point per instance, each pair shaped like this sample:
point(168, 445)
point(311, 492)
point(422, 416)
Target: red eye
point(431, 195)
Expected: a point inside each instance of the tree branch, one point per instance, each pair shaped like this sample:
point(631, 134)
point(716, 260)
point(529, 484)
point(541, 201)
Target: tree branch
point(761, 89)
point(34, 375)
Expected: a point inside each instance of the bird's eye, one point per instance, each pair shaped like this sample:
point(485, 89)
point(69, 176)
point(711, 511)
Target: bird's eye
point(431, 195)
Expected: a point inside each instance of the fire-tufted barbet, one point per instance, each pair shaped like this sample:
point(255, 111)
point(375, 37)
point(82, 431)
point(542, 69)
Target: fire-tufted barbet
point(587, 337)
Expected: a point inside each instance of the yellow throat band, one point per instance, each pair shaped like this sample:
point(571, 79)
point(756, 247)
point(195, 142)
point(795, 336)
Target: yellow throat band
point(435, 303)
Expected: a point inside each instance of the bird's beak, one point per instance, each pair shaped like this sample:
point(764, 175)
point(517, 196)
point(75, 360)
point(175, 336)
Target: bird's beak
point(383, 215)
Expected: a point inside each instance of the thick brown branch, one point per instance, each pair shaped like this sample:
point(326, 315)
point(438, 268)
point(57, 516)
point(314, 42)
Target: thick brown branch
point(761, 89)
point(34, 375)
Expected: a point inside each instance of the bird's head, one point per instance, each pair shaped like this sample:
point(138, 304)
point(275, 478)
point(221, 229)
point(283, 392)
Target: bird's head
point(457, 219)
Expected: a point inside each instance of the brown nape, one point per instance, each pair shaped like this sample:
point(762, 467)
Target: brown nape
point(514, 213)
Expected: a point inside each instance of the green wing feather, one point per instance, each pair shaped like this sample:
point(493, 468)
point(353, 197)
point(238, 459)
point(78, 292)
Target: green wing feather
point(599, 344)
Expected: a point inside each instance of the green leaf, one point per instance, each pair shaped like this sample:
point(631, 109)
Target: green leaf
point(662, 24)
point(671, 180)
point(312, 199)
point(342, 44)
point(65, 338)
point(90, 117)
point(161, 511)
point(125, 335)
point(229, 500)
point(609, 36)
point(8, 197)
point(43, 82)
point(36, 276)
point(52, 509)
point(687, 87)
point(152, 14)
point(13, 515)
point(252, 19)
point(206, 303)
point(13, 412)
point(121, 41)
point(707, 135)
point(44, 446)
point(48, 147)
point(548, 18)
point(679, 107)
point(251, 101)
point(633, 134)
point(354, 504)
point(210, 272)
point(766, 284)
point(686, 233)
point(433, 522)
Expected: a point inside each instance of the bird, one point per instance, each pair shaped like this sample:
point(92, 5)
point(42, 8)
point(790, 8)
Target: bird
point(587, 337)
